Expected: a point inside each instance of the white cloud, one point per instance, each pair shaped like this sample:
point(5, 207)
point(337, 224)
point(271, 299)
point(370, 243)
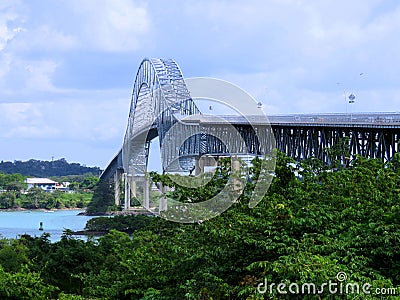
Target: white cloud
point(7, 32)
point(23, 120)
point(102, 119)
point(39, 75)
point(46, 38)
point(20, 77)
point(112, 25)
point(294, 32)
point(14, 112)
point(5, 61)
point(32, 132)
point(92, 25)
point(80, 115)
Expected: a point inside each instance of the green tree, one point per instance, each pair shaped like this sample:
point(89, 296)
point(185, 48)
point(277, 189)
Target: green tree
point(7, 200)
point(103, 198)
point(34, 197)
point(24, 285)
point(12, 255)
point(339, 153)
point(89, 182)
point(394, 163)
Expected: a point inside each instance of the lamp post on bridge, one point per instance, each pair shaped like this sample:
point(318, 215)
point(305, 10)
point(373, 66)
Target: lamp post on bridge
point(349, 99)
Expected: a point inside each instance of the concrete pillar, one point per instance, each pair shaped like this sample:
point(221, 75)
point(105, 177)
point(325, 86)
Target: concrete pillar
point(127, 203)
point(133, 185)
point(146, 193)
point(163, 205)
point(199, 167)
point(117, 188)
point(237, 185)
point(205, 161)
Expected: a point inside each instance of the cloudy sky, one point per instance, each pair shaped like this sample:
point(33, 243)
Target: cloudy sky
point(67, 67)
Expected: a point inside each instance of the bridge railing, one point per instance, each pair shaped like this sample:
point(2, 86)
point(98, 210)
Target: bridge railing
point(350, 118)
point(367, 119)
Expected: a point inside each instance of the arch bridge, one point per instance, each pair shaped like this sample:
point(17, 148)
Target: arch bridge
point(161, 106)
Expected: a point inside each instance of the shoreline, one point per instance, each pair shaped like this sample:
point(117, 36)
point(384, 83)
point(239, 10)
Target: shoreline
point(119, 213)
point(83, 211)
point(39, 209)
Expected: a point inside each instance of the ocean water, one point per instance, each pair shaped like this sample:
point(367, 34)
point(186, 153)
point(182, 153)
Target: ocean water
point(16, 223)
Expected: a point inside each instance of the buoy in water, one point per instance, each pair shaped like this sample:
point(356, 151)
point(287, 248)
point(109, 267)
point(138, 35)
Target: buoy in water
point(41, 226)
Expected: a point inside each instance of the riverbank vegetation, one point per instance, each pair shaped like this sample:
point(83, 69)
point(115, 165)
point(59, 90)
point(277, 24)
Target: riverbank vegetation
point(15, 195)
point(315, 222)
point(36, 198)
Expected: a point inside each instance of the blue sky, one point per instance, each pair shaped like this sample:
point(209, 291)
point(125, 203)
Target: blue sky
point(67, 67)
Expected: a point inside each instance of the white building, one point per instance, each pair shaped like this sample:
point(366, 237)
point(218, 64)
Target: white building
point(43, 183)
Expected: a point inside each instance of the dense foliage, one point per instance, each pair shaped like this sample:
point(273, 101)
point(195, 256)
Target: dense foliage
point(123, 223)
point(14, 194)
point(103, 198)
point(40, 168)
point(36, 198)
point(313, 223)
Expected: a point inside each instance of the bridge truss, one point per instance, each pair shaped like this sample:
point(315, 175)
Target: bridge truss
point(304, 142)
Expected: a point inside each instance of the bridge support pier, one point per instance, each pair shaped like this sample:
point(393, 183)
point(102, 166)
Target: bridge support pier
point(117, 186)
point(146, 193)
point(127, 203)
point(205, 161)
point(237, 186)
point(163, 205)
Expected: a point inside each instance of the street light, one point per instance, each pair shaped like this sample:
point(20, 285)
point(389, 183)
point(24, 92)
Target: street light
point(351, 98)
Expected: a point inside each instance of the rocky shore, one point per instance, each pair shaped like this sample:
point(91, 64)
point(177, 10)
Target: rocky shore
point(118, 213)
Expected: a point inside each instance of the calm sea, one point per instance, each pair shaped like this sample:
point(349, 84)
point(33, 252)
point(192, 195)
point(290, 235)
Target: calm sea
point(16, 223)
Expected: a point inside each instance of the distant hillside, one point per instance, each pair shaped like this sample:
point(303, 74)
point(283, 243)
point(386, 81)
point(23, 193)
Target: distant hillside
point(39, 168)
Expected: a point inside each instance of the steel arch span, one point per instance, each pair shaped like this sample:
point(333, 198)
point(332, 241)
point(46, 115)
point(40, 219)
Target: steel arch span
point(162, 106)
point(159, 98)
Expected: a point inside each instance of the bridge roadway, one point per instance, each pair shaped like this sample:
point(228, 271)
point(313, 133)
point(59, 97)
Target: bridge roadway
point(354, 120)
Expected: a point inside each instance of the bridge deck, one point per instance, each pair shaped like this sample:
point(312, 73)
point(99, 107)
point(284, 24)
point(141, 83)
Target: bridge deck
point(364, 120)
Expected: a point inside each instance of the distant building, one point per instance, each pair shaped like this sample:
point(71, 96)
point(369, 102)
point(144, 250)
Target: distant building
point(63, 187)
point(45, 184)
